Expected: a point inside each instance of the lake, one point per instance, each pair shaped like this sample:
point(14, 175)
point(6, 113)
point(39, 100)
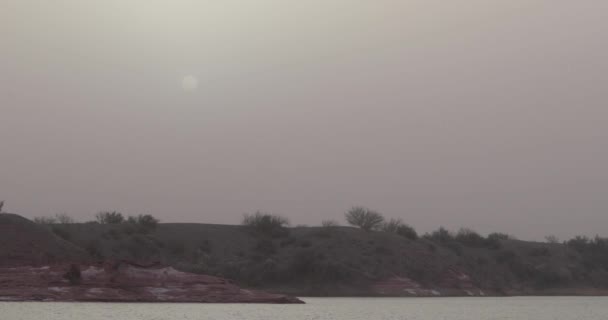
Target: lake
point(520, 308)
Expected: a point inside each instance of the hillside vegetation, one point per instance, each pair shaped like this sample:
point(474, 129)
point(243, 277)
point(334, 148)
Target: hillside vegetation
point(265, 253)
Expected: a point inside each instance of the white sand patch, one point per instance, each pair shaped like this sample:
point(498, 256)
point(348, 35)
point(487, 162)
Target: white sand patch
point(157, 290)
point(91, 272)
point(95, 291)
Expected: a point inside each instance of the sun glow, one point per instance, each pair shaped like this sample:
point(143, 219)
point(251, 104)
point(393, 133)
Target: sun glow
point(189, 83)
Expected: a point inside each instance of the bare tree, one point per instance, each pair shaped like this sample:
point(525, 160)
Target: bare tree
point(364, 218)
point(1, 205)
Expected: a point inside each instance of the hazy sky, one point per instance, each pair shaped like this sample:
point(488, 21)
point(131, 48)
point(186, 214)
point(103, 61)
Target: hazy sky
point(485, 114)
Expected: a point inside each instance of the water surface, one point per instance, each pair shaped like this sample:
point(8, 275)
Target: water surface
point(520, 308)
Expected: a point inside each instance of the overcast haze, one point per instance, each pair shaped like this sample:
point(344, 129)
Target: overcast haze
point(484, 114)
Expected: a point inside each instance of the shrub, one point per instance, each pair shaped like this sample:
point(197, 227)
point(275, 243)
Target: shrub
point(499, 236)
point(328, 227)
point(505, 256)
point(205, 246)
point(383, 250)
point(364, 218)
point(305, 243)
point(73, 275)
point(110, 217)
point(470, 238)
point(539, 252)
point(455, 247)
point(302, 262)
point(329, 224)
point(62, 233)
point(599, 278)
point(266, 224)
point(391, 226)
point(177, 248)
point(441, 235)
point(397, 226)
point(473, 239)
point(408, 232)
point(493, 243)
point(594, 252)
point(287, 241)
point(94, 249)
point(305, 264)
point(579, 243)
point(144, 222)
point(265, 246)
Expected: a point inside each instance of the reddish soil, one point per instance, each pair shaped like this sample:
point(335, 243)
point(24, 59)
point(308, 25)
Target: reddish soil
point(123, 282)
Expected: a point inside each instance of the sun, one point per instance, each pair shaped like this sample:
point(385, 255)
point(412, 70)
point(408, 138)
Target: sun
point(189, 83)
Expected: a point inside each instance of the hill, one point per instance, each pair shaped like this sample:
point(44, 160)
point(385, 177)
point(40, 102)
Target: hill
point(343, 261)
point(348, 261)
point(24, 241)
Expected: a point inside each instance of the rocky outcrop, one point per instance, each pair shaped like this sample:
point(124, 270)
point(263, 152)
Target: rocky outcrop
point(123, 282)
point(451, 283)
